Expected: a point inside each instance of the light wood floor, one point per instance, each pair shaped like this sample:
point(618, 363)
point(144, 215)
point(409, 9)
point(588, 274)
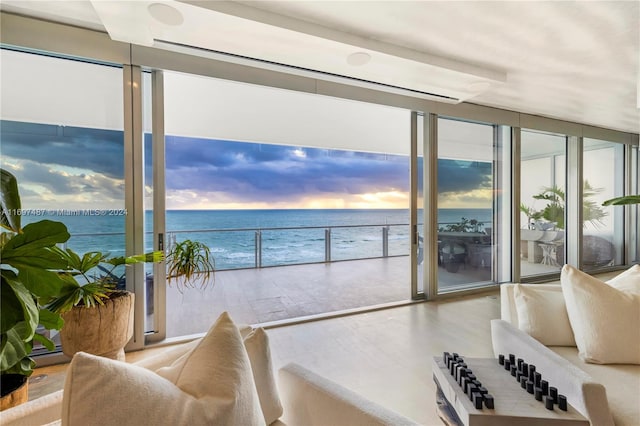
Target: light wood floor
point(384, 355)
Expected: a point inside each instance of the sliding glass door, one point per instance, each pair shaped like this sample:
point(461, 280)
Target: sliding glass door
point(542, 193)
point(302, 201)
point(466, 213)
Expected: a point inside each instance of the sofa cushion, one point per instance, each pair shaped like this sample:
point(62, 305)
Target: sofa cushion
point(622, 382)
point(256, 343)
point(542, 314)
point(604, 319)
point(628, 281)
point(213, 386)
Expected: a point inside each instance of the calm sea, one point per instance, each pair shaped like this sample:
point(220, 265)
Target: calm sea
point(286, 236)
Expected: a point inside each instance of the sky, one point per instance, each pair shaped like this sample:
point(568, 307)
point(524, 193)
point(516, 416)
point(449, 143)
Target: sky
point(78, 168)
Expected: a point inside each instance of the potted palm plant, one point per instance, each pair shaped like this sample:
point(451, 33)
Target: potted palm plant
point(98, 318)
point(29, 280)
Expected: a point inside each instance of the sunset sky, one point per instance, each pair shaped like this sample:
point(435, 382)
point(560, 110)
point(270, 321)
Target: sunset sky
point(70, 167)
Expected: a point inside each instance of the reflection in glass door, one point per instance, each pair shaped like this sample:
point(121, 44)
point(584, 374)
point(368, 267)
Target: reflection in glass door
point(465, 215)
point(602, 227)
point(542, 208)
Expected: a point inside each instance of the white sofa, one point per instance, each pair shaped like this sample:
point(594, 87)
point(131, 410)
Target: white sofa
point(605, 394)
point(307, 398)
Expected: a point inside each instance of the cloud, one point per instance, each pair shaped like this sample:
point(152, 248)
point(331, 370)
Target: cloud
point(270, 173)
point(44, 186)
point(457, 177)
point(99, 150)
point(57, 164)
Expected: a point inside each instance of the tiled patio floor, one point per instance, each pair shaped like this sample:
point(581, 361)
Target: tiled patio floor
point(254, 296)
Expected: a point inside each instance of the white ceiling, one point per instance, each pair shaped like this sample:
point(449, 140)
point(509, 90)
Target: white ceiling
point(577, 61)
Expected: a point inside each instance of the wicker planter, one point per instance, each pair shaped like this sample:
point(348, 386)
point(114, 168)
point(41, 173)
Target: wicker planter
point(100, 330)
point(19, 394)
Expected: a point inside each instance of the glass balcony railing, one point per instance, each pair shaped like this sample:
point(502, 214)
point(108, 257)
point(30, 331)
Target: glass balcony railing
point(263, 247)
point(239, 248)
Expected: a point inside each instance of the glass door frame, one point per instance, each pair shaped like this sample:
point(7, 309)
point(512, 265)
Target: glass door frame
point(134, 201)
point(158, 162)
point(424, 130)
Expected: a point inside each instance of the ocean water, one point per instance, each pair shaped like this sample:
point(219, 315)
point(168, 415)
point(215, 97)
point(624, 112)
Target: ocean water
point(277, 237)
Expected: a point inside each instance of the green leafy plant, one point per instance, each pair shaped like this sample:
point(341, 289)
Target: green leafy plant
point(29, 280)
point(532, 215)
point(189, 259)
point(90, 279)
point(621, 201)
point(465, 225)
point(554, 210)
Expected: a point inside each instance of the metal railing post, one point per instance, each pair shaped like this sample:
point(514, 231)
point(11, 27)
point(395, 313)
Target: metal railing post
point(258, 250)
point(327, 245)
point(385, 241)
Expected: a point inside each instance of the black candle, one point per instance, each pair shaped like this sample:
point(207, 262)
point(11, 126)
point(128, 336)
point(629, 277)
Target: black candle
point(562, 402)
point(465, 384)
point(477, 400)
point(538, 394)
point(548, 403)
point(488, 401)
point(501, 359)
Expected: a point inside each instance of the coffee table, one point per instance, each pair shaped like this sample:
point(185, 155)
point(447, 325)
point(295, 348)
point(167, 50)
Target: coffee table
point(513, 405)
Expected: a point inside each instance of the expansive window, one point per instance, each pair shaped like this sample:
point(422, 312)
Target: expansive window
point(309, 191)
point(62, 137)
point(542, 194)
point(465, 204)
point(302, 199)
point(603, 227)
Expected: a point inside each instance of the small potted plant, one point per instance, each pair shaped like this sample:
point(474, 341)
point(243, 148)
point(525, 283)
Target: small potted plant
point(190, 260)
point(28, 282)
point(98, 318)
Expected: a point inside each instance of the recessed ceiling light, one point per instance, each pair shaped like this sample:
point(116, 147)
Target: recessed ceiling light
point(359, 58)
point(165, 14)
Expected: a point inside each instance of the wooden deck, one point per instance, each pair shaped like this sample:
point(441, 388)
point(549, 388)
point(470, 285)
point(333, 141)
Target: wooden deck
point(253, 296)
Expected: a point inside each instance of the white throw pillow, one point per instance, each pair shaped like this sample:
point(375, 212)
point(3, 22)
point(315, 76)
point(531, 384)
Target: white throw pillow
point(543, 315)
point(628, 281)
point(604, 319)
point(257, 345)
point(256, 342)
point(214, 386)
